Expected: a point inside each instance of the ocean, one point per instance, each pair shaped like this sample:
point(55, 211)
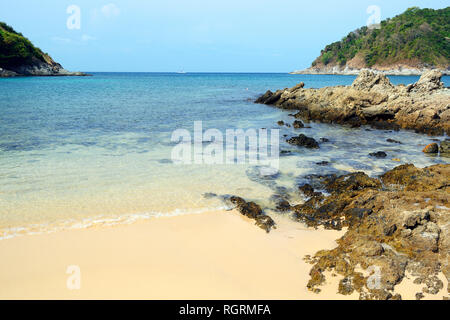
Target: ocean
point(89, 151)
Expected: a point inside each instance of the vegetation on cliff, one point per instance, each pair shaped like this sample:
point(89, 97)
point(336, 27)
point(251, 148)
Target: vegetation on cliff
point(417, 37)
point(15, 49)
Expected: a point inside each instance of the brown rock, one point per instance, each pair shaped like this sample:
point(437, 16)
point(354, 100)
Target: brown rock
point(431, 148)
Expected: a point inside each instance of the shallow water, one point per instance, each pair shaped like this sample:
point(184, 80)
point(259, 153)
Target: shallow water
point(92, 150)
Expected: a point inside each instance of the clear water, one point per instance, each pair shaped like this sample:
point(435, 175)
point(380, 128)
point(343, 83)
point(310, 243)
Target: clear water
point(81, 151)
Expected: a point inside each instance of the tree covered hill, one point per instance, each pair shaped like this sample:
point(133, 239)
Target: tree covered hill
point(18, 56)
point(417, 38)
point(15, 49)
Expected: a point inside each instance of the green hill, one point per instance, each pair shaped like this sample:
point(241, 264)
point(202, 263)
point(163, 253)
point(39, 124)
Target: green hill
point(417, 38)
point(15, 49)
point(18, 56)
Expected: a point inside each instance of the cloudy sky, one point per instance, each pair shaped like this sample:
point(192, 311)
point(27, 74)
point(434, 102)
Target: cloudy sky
point(194, 35)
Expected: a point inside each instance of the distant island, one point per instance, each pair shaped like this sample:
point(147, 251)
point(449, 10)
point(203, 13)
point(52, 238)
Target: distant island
point(19, 57)
point(408, 44)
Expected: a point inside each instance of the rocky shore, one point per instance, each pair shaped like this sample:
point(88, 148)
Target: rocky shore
point(372, 100)
point(40, 68)
point(397, 224)
point(397, 227)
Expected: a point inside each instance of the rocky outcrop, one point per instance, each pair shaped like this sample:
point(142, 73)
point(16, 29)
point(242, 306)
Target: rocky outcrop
point(39, 68)
point(372, 100)
point(7, 73)
point(397, 223)
point(253, 211)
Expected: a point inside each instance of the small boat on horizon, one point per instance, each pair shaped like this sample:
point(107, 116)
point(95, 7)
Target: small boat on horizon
point(181, 71)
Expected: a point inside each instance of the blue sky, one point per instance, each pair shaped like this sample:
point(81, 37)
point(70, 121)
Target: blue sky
point(195, 35)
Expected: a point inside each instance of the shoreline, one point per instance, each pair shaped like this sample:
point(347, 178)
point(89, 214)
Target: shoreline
point(355, 72)
point(216, 255)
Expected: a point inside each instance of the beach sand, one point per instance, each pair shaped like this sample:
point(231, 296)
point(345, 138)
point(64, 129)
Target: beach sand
point(214, 255)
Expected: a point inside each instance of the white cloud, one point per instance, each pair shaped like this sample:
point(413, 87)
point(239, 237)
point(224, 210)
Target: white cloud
point(110, 10)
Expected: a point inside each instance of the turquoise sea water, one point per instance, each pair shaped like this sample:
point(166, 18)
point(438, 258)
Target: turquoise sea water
point(77, 151)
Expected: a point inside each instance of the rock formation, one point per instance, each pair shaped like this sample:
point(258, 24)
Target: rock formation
point(372, 100)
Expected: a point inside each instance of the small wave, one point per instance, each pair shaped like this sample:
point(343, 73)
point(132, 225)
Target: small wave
point(99, 221)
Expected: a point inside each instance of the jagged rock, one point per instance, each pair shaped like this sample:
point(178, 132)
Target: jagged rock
point(429, 81)
point(368, 80)
point(264, 97)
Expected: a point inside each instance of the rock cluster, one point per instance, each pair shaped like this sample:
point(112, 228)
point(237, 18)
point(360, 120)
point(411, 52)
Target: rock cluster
point(372, 99)
point(397, 223)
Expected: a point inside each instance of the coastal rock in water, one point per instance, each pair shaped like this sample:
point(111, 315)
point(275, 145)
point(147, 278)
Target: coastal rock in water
point(297, 124)
point(283, 206)
point(249, 209)
point(431, 148)
point(264, 97)
point(379, 154)
point(253, 211)
point(393, 141)
point(304, 141)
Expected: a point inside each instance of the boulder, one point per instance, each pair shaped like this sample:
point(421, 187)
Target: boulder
point(431, 148)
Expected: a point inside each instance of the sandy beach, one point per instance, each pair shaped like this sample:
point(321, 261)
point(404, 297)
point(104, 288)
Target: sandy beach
point(215, 255)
